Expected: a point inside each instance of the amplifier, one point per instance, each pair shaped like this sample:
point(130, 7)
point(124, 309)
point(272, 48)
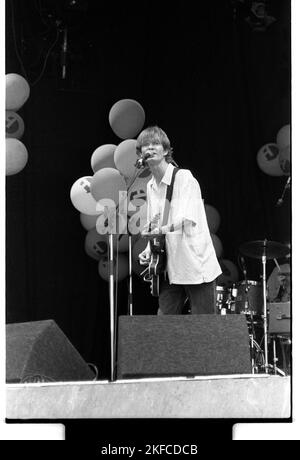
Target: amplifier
point(279, 318)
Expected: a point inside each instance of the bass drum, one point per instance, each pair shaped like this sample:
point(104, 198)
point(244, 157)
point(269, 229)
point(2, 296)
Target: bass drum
point(249, 298)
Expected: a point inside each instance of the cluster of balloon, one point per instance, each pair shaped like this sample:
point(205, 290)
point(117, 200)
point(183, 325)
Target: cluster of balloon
point(213, 222)
point(230, 272)
point(273, 158)
point(17, 93)
point(110, 201)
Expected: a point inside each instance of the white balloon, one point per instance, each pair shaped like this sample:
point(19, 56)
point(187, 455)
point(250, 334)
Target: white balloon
point(284, 137)
point(14, 125)
point(217, 245)
point(111, 221)
point(88, 222)
point(81, 196)
point(213, 218)
point(16, 156)
point(103, 157)
point(95, 245)
point(120, 267)
point(268, 160)
point(17, 91)
point(126, 118)
point(125, 157)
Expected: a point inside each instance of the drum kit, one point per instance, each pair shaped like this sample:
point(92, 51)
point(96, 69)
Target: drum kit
point(249, 297)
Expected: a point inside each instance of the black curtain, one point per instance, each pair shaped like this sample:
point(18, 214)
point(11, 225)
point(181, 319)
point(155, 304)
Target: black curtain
point(218, 87)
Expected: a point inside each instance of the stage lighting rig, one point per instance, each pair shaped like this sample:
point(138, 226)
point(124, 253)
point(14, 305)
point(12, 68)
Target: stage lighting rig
point(258, 17)
point(255, 13)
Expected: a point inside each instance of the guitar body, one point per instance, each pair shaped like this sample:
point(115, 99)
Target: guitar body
point(157, 263)
point(153, 274)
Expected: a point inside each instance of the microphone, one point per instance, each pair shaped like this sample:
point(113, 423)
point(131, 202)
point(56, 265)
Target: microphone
point(287, 185)
point(141, 162)
point(64, 54)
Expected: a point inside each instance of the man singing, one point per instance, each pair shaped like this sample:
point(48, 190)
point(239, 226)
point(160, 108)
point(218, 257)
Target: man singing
point(192, 266)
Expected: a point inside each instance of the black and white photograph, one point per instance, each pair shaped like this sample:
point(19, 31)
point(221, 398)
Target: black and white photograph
point(148, 240)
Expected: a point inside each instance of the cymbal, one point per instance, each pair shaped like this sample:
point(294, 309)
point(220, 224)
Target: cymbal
point(257, 249)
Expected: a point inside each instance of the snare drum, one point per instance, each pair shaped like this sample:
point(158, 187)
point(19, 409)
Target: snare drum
point(249, 298)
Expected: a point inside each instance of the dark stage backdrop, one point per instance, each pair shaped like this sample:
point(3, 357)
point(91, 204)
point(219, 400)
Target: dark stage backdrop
point(220, 90)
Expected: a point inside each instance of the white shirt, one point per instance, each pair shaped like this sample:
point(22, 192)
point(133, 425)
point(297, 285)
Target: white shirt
point(191, 257)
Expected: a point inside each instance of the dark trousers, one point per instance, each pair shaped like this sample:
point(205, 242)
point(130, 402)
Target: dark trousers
point(172, 297)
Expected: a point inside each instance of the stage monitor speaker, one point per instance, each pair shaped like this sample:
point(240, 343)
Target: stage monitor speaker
point(182, 345)
point(40, 352)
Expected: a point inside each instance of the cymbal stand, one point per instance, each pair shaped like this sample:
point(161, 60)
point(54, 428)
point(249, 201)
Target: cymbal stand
point(251, 327)
point(275, 360)
point(251, 334)
point(265, 319)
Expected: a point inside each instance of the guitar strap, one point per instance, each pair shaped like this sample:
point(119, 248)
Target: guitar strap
point(169, 194)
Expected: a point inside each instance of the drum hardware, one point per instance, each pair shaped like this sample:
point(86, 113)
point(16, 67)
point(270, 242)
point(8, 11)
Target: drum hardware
point(275, 359)
point(263, 250)
point(257, 356)
point(225, 300)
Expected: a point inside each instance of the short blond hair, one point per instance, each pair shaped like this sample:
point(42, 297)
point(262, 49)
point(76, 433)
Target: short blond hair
point(155, 134)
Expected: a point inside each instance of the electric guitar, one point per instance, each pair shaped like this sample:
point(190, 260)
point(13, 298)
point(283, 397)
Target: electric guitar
point(156, 265)
point(157, 262)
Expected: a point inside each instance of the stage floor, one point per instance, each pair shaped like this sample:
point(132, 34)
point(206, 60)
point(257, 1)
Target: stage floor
point(231, 396)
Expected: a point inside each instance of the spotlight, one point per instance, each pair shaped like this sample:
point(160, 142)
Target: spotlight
point(258, 9)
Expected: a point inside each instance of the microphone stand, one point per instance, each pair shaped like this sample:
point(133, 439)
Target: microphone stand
point(112, 308)
point(111, 291)
point(130, 290)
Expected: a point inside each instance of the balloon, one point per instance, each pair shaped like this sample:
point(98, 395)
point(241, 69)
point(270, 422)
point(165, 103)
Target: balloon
point(138, 247)
point(14, 125)
point(111, 221)
point(16, 156)
point(283, 138)
point(95, 245)
point(126, 118)
point(123, 241)
point(81, 196)
point(268, 160)
point(106, 185)
point(285, 160)
point(125, 157)
point(17, 91)
point(120, 267)
point(137, 194)
point(103, 157)
point(88, 222)
point(213, 218)
point(145, 172)
point(138, 220)
point(230, 273)
point(217, 244)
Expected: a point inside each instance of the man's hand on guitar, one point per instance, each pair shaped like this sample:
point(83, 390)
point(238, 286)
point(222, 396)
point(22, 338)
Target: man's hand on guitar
point(154, 227)
point(145, 256)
